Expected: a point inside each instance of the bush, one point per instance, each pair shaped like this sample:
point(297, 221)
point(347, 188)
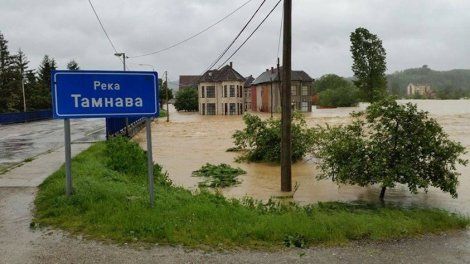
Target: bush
point(389, 144)
point(340, 97)
point(260, 141)
point(330, 81)
point(187, 100)
point(125, 156)
point(335, 91)
point(221, 175)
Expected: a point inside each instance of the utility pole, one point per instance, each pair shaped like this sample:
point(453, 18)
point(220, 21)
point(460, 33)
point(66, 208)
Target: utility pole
point(124, 69)
point(22, 88)
point(271, 78)
point(286, 115)
point(167, 109)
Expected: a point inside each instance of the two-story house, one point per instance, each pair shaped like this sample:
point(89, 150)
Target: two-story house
point(265, 93)
point(221, 92)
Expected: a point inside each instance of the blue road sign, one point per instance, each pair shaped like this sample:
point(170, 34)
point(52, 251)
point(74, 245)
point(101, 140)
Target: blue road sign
point(88, 94)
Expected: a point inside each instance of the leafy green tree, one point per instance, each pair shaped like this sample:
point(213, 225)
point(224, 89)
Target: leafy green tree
point(369, 64)
point(163, 90)
point(260, 140)
point(330, 81)
point(187, 100)
point(390, 144)
point(73, 66)
point(345, 96)
point(335, 91)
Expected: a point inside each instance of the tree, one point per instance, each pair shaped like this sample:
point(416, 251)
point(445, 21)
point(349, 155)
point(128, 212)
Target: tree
point(260, 140)
point(6, 76)
point(20, 67)
point(330, 81)
point(369, 64)
point(345, 96)
point(335, 91)
point(187, 100)
point(73, 66)
point(162, 91)
point(42, 94)
point(389, 144)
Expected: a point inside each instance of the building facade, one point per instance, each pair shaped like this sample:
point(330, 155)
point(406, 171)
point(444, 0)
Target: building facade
point(221, 92)
point(266, 96)
point(247, 93)
point(420, 90)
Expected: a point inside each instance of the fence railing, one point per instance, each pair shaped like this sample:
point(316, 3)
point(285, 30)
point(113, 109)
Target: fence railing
point(20, 117)
point(117, 126)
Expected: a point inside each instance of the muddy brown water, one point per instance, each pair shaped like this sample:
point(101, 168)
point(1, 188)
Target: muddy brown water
point(190, 140)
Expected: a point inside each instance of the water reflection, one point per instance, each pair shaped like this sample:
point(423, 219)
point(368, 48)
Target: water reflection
point(191, 140)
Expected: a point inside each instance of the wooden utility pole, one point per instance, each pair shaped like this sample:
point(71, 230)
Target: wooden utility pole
point(167, 109)
point(286, 116)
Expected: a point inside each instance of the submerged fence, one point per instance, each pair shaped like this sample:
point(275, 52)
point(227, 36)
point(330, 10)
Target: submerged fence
point(20, 117)
point(117, 126)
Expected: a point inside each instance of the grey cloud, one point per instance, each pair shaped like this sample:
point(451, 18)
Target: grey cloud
point(433, 32)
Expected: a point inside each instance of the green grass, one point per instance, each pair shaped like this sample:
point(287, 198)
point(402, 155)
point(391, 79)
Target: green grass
point(108, 205)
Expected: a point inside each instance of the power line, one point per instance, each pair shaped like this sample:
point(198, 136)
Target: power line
point(105, 32)
point(235, 39)
point(102, 27)
point(195, 35)
point(252, 33)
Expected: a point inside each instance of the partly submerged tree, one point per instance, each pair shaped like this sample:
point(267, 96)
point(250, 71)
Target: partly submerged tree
point(73, 66)
point(186, 100)
point(260, 140)
point(390, 144)
point(335, 91)
point(369, 65)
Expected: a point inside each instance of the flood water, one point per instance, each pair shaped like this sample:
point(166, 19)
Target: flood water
point(190, 140)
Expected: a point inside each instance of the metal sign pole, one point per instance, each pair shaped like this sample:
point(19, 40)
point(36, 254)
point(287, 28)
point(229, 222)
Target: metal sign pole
point(148, 123)
point(68, 154)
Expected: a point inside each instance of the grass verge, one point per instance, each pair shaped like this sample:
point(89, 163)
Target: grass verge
point(111, 205)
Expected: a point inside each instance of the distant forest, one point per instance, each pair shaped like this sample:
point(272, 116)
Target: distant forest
point(453, 84)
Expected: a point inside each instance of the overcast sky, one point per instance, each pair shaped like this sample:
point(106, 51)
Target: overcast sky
point(414, 33)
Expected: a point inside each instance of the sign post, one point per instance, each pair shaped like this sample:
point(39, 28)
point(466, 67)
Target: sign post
point(68, 158)
point(148, 125)
point(104, 94)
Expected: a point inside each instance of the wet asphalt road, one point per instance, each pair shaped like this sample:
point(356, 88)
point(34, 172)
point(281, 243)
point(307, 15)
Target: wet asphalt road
point(26, 140)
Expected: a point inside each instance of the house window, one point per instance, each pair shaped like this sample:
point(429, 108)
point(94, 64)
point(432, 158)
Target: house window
point(304, 90)
point(203, 109)
point(232, 90)
point(232, 109)
point(293, 90)
point(210, 90)
point(210, 109)
point(202, 92)
point(225, 91)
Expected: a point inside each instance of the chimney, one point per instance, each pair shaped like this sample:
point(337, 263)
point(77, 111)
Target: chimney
point(231, 65)
point(272, 69)
point(267, 70)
